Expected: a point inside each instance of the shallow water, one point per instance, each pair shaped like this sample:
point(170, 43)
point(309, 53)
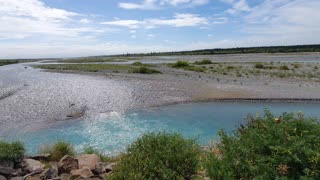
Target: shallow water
point(112, 132)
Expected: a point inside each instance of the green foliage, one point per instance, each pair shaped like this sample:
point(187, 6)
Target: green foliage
point(180, 64)
point(259, 66)
point(138, 63)
point(284, 67)
point(7, 62)
point(203, 62)
point(58, 150)
point(145, 70)
point(159, 156)
point(269, 148)
point(12, 152)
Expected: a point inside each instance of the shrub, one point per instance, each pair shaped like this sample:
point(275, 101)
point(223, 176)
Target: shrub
point(284, 67)
point(269, 148)
point(180, 64)
point(259, 66)
point(203, 62)
point(159, 156)
point(194, 68)
point(11, 152)
point(145, 70)
point(58, 150)
point(137, 63)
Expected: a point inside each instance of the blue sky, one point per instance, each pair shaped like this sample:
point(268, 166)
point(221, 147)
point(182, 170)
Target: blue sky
point(69, 28)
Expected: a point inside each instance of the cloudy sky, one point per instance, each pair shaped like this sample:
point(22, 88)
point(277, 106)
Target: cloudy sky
point(67, 28)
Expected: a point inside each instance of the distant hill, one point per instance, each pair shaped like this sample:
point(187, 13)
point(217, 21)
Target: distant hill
point(240, 50)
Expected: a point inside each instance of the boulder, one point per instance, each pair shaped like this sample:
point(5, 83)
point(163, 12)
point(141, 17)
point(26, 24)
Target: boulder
point(6, 171)
point(50, 173)
point(103, 167)
point(67, 164)
point(31, 165)
point(3, 178)
point(109, 167)
point(88, 160)
point(17, 178)
point(33, 177)
point(84, 173)
point(65, 176)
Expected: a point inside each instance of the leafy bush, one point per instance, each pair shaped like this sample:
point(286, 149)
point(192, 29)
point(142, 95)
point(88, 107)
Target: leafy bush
point(145, 70)
point(269, 148)
point(58, 150)
point(159, 156)
point(12, 152)
point(137, 63)
point(259, 66)
point(284, 67)
point(203, 62)
point(180, 64)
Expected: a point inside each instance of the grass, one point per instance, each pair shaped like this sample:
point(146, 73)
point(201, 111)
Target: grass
point(7, 62)
point(58, 150)
point(94, 60)
point(86, 67)
point(203, 62)
point(11, 152)
point(186, 66)
point(145, 70)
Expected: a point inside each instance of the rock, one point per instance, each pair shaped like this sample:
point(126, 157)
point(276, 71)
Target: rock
point(67, 163)
point(103, 167)
point(50, 173)
point(100, 168)
point(109, 167)
point(3, 178)
point(6, 171)
point(17, 178)
point(33, 177)
point(65, 176)
point(84, 172)
point(31, 165)
point(88, 160)
point(18, 172)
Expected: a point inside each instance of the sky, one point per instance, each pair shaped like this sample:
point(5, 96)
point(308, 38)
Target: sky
point(73, 28)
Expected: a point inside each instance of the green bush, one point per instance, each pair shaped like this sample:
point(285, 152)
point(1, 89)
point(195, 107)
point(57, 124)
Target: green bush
point(284, 67)
point(159, 156)
point(137, 63)
point(58, 150)
point(145, 70)
point(180, 64)
point(12, 152)
point(259, 66)
point(269, 148)
point(203, 62)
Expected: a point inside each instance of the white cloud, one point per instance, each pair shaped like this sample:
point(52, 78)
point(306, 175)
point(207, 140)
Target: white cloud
point(297, 18)
point(156, 4)
point(237, 6)
point(27, 18)
point(85, 21)
point(179, 20)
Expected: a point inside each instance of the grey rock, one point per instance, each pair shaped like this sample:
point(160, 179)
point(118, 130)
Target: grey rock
point(65, 176)
point(6, 171)
point(31, 165)
point(109, 167)
point(3, 178)
point(17, 178)
point(67, 164)
point(50, 173)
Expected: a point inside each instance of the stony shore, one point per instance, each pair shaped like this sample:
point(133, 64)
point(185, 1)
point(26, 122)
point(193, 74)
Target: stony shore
point(85, 166)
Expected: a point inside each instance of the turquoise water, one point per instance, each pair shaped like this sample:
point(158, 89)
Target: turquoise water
point(112, 132)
